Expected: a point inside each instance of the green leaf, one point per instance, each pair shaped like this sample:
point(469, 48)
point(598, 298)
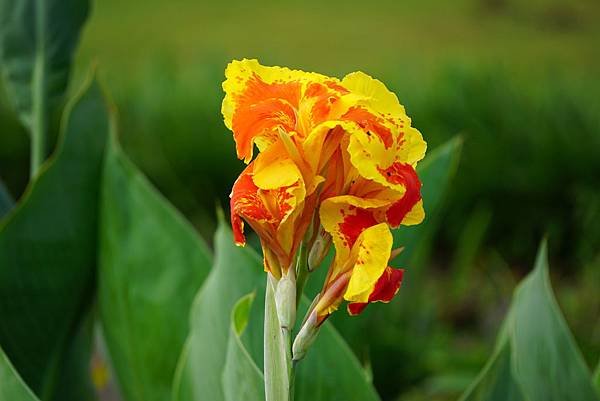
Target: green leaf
point(242, 379)
point(12, 387)
point(48, 252)
point(546, 360)
point(597, 377)
point(236, 272)
point(496, 381)
point(275, 363)
point(537, 358)
point(37, 42)
point(330, 372)
point(6, 201)
point(152, 263)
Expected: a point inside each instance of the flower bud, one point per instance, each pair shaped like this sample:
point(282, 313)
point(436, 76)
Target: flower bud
point(319, 250)
point(306, 336)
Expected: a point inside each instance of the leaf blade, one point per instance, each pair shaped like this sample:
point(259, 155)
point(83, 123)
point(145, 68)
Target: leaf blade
point(314, 380)
point(152, 263)
point(6, 201)
point(542, 344)
point(12, 387)
point(38, 38)
point(544, 361)
point(48, 249)
point(242, 379)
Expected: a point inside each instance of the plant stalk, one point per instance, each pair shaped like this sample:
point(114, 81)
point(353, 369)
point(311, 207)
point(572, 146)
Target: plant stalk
point(301, 272)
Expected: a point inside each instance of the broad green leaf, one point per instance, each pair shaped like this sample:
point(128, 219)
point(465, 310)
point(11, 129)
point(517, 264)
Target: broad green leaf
point(236, 272)
point(496, 381)
point(242, 379)
point(275, 364)
point(546, 360)
point(597, 377)
point(6, 201)
point(12, 387)
point(48, 253)
point(37, 42)
point(75, 373)
point(152, 263)
point(537, 358)
point(330, 372)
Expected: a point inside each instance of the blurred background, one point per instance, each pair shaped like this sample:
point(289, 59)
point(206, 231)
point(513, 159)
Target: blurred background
point(518, 79)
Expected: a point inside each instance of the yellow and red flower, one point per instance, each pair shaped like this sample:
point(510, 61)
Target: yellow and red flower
point(335, 155)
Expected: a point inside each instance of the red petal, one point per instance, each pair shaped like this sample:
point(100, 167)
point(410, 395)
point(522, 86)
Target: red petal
point(404, 174)
point(386, 287)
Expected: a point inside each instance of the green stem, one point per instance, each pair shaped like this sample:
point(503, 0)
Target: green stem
point(39, 124)
point(287, 341)
point(301, 272)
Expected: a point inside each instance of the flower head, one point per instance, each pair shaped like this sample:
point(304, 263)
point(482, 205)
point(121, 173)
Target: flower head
point(336, 164)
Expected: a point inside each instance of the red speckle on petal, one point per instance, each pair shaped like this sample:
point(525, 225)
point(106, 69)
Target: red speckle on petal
point(354, 224)
point(370, 123)
point(402, 174)
point(261, 108)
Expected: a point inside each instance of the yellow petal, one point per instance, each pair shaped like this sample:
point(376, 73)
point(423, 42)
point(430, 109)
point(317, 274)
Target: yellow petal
point(376, 94)
point(372, 251)
point(344, 217)
point(415, 216)
point(272, 171)
point(372, 158)
point(238, 72)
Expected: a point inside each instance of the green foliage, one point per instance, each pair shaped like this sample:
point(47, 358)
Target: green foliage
point(48, 250)
point(37, 42)
point(151, 266)
point(91, 205)
point(494, 111)
point(536, 358)
point(6, 201)
point(199, 375)
point(235, 272)
point(242, 379)
point(12, 386)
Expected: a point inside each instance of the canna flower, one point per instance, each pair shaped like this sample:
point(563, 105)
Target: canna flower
point(336, 164)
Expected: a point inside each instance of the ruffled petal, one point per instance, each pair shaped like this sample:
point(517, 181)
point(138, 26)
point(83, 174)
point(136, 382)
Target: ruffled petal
point(375, 161)
point(384, 291)
point(261, 100)
point(370, 255)
point(346, 217)
point(374, 93)
point(269, 202)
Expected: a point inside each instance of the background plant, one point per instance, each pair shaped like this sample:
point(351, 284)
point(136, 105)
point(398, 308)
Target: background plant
point(525, 86)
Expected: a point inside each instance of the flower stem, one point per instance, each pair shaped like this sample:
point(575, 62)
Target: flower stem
point(301, 272)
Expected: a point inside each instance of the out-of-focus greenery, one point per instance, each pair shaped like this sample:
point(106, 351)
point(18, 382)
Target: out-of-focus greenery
point(519, 79)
